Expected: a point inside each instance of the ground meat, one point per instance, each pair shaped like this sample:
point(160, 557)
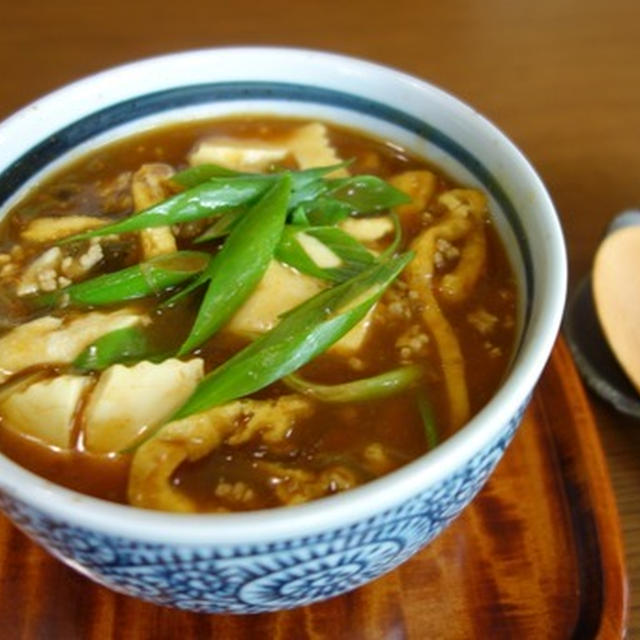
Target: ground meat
point(237, 491)
point(412, 343)
point(446, 254)
point(482, 321)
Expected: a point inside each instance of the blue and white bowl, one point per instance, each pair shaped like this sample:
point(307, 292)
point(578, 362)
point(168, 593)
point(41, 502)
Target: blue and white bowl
point(287, 557)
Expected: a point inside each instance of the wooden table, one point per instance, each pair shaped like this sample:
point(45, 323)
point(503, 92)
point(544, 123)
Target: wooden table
point(560, 77)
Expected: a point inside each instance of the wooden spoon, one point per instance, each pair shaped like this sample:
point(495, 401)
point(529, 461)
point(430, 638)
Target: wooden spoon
point(616, 292)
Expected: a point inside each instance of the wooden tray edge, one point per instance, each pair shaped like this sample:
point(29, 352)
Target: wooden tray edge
point(590, 457)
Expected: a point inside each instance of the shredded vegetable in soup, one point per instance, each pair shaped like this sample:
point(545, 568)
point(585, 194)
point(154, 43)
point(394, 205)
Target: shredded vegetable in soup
point(245, 313)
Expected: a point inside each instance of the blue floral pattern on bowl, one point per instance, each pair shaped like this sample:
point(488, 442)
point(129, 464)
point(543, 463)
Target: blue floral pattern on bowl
point(266, 577)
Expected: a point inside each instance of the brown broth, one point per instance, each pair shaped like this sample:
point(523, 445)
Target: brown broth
point(335, 434)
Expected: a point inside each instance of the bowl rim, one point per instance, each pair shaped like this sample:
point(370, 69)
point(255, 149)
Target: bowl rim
point(373, 498)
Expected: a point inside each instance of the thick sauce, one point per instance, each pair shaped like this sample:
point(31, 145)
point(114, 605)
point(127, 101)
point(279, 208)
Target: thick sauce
point(349, 438)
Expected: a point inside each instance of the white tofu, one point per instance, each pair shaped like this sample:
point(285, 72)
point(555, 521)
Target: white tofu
point(148, 187)
point(310, 146)
point(149, 184)
point(157, 241)
point(280, 289)
point(239, 155)
point(51, 229)
point(352, 342)
point(368, 230)
point(127, 401)
point(50, 340)
point(318, 252)
point(45, 410)
point(20, 384)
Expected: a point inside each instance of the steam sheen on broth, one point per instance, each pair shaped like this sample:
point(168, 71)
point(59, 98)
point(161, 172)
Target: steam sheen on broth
point(208, 372)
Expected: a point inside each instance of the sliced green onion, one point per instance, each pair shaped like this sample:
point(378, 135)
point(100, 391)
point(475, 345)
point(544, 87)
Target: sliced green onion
point(139, 281)
point(357, 195)
point(298, 217)
point(236, 269)
point(366, 194)
point(222, 226)
point(397, 238)
point(193, 176)
point(307, 191)
point(225, 223)
point(214, 191)
point(428, 420)
point(352, 256)
point(202, 201)
point(301, 335)
point(373, 388)
point(323, 211)
point(122, 345)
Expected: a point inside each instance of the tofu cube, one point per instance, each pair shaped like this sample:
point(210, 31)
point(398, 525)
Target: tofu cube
point(128, 401)
point(45, 410)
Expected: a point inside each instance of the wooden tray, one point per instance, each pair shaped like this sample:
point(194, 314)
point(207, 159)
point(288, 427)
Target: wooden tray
point(537, 555)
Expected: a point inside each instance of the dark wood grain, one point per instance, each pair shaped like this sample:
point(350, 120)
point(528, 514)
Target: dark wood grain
point(538, 554)
point(561, 77)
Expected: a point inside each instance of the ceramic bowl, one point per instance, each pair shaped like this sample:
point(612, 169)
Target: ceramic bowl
point(287, 557)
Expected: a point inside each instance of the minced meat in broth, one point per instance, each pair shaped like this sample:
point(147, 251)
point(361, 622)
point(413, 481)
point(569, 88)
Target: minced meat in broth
point(451, 314)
